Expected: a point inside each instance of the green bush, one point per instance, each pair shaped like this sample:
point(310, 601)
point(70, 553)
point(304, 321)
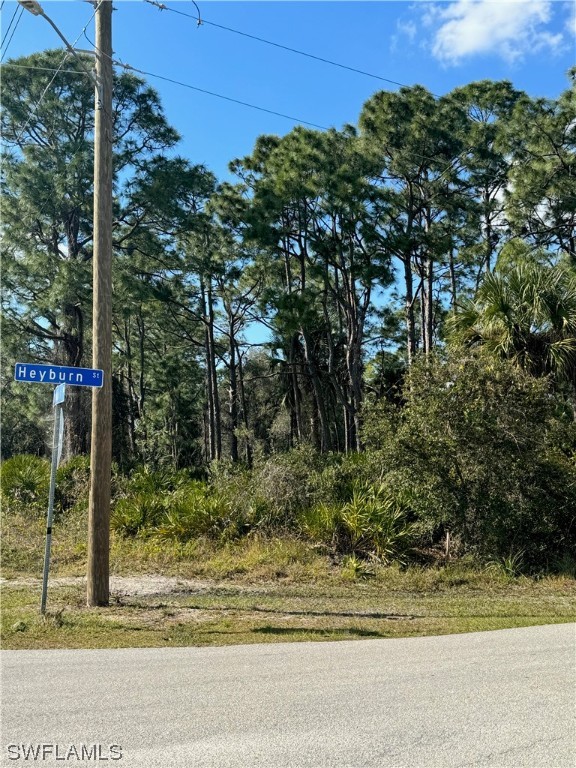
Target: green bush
point(355, 568)
point(374, 524)
point(483, 450)
point(194, 511)
point(138, 513)
point(285, 484)
point(146, 480)
point(320, 523)
point(336, 481)
point(371, 524)
point(143, 499)
point(234, 484)
point(24, 484)
point(275, 491)
point(180, 510)
point(73, 484)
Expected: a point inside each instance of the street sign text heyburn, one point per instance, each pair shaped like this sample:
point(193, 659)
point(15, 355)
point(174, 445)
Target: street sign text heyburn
point(58, 374)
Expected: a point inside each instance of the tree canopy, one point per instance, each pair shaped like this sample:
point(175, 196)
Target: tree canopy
point(269, 310)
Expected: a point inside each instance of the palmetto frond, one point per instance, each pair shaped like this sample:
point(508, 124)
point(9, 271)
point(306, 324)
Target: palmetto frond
point(528, 315)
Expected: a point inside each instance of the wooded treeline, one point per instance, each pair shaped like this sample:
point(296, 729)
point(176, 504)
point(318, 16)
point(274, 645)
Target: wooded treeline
point(257, 315)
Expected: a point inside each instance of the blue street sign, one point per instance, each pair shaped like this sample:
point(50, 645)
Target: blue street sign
point(58, 374)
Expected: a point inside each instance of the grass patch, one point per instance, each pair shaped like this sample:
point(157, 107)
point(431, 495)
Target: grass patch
point(253, 590)
point(227, 613)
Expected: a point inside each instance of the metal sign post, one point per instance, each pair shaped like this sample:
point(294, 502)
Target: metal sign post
point(36, 373)
point(58, 401)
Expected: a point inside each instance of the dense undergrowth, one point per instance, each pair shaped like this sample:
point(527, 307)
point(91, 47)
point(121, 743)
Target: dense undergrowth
point(290, 511)
point(479, 461)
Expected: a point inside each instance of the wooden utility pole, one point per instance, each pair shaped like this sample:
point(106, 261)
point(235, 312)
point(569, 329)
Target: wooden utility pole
point(98, 592)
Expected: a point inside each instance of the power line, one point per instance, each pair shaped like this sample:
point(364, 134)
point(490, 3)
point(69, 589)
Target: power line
point(47, 69)
point(18, 8)
point(222, 96)
point(201, 21)
point(237, 101)
point(449, 166)
point(10, 25)
point(129, 67)
point(210, 93)
point(183, 85)
point(12, 35)
point(45, 91)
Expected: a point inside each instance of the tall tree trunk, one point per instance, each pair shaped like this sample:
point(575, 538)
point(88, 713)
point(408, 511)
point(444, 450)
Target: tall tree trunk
point(208, 447)
point(211, 364)
point(131, 389)
point(346, 419)
point(296, 399)
point(427, 289)
point(76, 432)
point(355, 372)
point(210, 430)
point(489, 249)
point(453, 281)
point(141, 396)
point(233, 393)
point(409, 310)
point(214, 374)
point(314, 374)
point(429, 303)
point(243, 403)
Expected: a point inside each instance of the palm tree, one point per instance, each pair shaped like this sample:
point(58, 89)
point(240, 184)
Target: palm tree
point(526, 314)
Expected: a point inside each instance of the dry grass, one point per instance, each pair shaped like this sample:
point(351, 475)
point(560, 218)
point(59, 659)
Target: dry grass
point(253, 590)
point(231, 612)
point(221, 613)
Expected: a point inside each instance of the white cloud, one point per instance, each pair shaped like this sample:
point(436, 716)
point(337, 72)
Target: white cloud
point(407, 28)
point(571, 22)
point(508, 29)
point(406, 31)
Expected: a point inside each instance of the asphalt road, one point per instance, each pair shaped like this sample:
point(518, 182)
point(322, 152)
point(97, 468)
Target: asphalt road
point(498, 699)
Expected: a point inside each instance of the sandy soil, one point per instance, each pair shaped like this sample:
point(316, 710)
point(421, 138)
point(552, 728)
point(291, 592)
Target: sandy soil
point(129, 586)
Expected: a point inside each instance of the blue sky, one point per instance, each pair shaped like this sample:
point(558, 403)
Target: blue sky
point(438, 44)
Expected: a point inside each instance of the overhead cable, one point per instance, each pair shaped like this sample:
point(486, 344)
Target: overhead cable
point(45, 91)
point(4, 49)
point(202, 21)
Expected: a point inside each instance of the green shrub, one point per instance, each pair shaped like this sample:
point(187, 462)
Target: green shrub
point(511, 566)
point(320, 523)
point(565, 565)
point(371, 524)
point(275, 491)
point(73, 484)
point(234, 484)
point(24, 484)
point(284, 484)
point(143, 499)
point(146, 480)
point(180, 511)
point(355, 568)
point(193, 511)
point(484, 451)
point(138, 512)
point(336, 481)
